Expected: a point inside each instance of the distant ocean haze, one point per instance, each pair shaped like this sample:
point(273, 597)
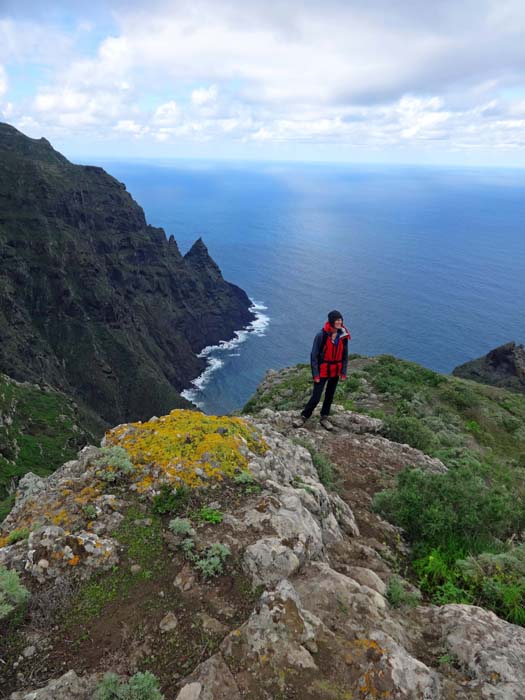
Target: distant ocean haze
point(425, 263)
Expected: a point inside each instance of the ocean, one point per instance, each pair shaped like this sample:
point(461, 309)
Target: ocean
point(425, 263)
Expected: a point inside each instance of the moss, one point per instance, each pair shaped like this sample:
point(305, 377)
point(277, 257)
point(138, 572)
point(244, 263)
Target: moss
point(45, 430)
point(186, 448)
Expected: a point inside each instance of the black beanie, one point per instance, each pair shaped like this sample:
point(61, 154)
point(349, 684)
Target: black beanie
point(333, 316)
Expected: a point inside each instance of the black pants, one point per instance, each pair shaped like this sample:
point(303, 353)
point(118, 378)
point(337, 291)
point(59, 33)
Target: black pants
point(331, 385)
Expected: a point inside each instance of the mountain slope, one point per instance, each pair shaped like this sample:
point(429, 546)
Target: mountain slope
point(93, 300)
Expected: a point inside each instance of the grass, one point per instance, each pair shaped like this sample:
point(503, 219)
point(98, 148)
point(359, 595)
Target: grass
point(143, 546)
point(46, 431)
point(324, 467)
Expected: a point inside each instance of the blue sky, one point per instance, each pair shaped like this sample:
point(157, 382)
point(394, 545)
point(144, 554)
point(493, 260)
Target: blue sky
point(380, 81)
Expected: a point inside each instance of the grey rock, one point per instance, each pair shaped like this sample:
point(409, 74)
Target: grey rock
point(168, 623)
point(67, 687)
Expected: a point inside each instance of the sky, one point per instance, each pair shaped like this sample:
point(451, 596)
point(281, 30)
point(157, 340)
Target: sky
point(393, 81)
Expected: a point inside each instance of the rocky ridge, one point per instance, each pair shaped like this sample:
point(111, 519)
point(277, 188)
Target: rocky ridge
point(300, 609)
point(504, 367)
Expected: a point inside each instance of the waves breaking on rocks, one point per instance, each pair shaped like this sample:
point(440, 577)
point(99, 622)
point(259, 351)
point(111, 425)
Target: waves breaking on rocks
point(214, 353)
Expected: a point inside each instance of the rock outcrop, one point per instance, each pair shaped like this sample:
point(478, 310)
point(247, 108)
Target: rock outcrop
point(93, 300)
point(265, 585)
point(504, 367)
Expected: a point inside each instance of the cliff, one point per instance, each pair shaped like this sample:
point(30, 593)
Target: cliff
point(504, 366)
point(93, 300)
point(195, 557)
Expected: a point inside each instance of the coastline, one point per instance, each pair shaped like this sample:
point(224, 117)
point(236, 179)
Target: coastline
point(256, 327)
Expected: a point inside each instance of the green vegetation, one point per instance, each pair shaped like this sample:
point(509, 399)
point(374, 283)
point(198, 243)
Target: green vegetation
point(399, 595)
point(12, 592)
point(113, 464)
point(182, 527)
point(171, 500)
point(465, 526)
point(141, 686)
point(212, 562)
point(459, 523)
point(40, 432)
point(209, 515)
point(410, 431)
point(323, 466)
point(246, 481)
point(18, 535)
point(143, 546)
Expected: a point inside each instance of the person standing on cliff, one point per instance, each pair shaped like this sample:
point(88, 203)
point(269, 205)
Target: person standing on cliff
point(328, 360)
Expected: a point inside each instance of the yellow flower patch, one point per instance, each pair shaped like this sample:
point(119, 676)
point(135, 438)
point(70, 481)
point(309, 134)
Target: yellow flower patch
point(186, 448)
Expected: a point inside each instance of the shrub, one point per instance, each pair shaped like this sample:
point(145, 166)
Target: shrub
point(460, 395)
point(12, 592)
point(401, 378)
point(459, 507)
point(18, 535)
point(408, 430)
point(181, 526)
point(212, 563)
point(210, 515)
point(90, 511)
point(171, 500)
point(141, 686)
point(246, 480)
point(113, 464)
point(188, 546)
point(399, 595)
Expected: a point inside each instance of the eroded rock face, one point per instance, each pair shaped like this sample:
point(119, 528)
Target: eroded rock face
point(67, 687)
point(490, 650)
point(504, 366)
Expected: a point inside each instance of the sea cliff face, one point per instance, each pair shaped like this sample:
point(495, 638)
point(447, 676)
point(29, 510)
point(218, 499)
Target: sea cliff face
point(93, 300)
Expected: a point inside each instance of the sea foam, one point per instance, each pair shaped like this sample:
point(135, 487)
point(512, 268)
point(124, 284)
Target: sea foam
point(212, 352)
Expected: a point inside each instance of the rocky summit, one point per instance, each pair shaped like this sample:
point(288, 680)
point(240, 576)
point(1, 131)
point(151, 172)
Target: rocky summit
point(504, 366)
point(93, 300)
point(195, 557)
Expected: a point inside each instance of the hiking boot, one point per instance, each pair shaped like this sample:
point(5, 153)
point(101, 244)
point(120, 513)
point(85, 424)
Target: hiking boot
point(299, 422)
point(326, 423)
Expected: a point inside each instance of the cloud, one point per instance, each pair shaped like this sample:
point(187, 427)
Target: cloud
point(167, 114)
point(380, 74)
point(203, 96)
point(3, 81)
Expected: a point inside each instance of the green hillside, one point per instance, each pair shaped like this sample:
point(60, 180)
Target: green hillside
point(40, 429)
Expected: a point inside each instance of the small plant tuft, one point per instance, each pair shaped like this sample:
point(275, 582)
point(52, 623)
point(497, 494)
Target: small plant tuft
point(171, 500)
point(212, 563)
point(113, 464)
point(12, 592)
point(18, 535)
point(141, 686)
point(399, 595)
point(210, 515)
point(182, 527)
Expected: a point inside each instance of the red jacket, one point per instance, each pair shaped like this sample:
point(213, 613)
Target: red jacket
point(329, 358)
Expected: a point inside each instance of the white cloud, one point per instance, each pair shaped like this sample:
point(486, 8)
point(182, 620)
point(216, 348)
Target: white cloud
point(3, 81)
point(381, 74)
point(167, 114)
point(203, 96)
point(131, 127)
